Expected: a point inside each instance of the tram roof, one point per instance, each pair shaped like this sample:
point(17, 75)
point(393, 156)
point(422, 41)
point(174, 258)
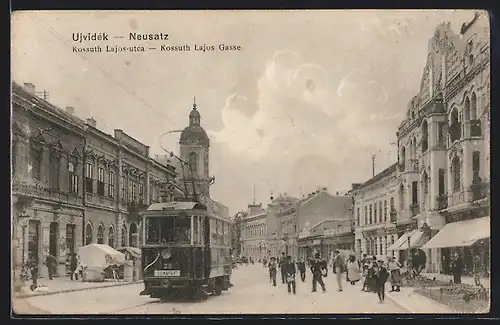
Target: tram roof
point(176, 206)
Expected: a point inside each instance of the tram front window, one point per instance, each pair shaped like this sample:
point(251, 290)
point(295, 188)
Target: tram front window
point(163, 230)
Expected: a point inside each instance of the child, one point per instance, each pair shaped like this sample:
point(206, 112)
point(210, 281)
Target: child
point(380, 276)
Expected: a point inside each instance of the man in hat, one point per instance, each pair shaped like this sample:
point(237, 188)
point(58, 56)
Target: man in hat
point(338, 268)
point(319, 269)
point(281, 262)
point(290, 272)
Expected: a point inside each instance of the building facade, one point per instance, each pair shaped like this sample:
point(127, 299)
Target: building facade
point(444, 141)
point(376, 214)
point(254, 233)
point(74, 185)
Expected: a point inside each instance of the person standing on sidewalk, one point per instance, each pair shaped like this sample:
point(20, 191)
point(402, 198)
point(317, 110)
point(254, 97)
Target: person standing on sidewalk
point(273, 270)
point(290, 272)
point(457, 267)
point(381, 275)
point(281, 262)
point(338, 268)
point(353, 270)
point(73, 266)
point(32, 266)
point(319, 270)
point(51, 263)
point(394, 270)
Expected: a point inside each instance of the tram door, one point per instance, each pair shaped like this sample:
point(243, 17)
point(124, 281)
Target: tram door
point(34, 239)
point(206, 250)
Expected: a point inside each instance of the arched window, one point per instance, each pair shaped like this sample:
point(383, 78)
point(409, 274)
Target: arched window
point(132, 240)
point(467, 110)
point(124, 236)
point(193, 162)
point(455, 165)
point(475, 126)
point(402, 158)
point(88, 233)
point(455, 126)
point(100, 234)
point(111, 236)
point(425, 136)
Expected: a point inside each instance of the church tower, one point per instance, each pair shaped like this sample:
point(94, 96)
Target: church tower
point(194, 149)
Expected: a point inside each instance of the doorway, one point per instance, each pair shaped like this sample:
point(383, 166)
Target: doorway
point(34, 239)
point(70, 244)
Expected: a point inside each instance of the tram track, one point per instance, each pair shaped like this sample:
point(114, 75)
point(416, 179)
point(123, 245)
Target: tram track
point(178, 305)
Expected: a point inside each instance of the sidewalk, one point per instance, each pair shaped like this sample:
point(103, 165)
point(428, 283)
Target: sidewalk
point(64, 284)
point(465, 279)
point(415, 303)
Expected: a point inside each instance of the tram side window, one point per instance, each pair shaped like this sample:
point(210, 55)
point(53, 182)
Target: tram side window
point(159, 230)
point(213, 231)
point(196, 230)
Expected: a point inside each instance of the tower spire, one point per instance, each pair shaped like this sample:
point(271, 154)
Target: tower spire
point(194, 102)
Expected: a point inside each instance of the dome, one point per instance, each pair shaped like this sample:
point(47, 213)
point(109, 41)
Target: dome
point(194, 134)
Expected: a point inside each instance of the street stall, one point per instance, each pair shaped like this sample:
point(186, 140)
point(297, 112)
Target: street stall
point(97, 260)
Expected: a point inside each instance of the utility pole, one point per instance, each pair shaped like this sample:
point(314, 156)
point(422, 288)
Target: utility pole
point(373, 165)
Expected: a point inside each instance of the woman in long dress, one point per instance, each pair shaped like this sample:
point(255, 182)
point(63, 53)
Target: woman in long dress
point(353, 270)
point(395, 278)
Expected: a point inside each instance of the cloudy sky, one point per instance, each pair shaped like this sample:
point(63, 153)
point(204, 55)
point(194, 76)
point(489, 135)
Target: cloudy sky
point(305, 103)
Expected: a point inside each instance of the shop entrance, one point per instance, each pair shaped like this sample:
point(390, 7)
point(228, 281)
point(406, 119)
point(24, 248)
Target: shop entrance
point(34, 239)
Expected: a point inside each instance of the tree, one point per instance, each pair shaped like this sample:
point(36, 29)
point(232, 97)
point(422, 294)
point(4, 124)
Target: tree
point(236, 233)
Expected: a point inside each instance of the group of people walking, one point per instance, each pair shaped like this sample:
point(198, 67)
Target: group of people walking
point(374, 273)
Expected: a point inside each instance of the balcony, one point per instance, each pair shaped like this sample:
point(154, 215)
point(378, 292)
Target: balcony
point(100, 200)
point(41, 192)
point(456, 198)
point(413, 166)
point(480, 191)
point(442, 201)
point(475, 128)
point(415, 209)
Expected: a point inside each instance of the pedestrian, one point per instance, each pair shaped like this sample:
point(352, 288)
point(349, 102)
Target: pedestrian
point(395, 274)
point(319, 270)
point(457, 268)
point(282, 261)
point(368, 275)
point(301, 266)
point(73, 267)
point(338, 268)
point(353, 270)
point(32, 265)
point(380, 275)
point(51, 264)
point(272, 271)
point(290, 272)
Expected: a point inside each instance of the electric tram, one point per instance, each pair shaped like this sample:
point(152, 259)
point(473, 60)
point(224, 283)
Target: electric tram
point(185, 252)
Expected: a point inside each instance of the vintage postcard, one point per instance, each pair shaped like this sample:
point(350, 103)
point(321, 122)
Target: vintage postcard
point(250, 162)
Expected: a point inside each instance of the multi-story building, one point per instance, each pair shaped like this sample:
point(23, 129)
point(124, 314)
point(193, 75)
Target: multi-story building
point(254, 232)
point(375, 214)
point(73, 184)
point(444, 140)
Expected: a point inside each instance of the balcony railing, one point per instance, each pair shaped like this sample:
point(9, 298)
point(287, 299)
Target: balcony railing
point(475, 128)
point(442, 201)
point(456, 198)
point(415, 209)
point(39, 191)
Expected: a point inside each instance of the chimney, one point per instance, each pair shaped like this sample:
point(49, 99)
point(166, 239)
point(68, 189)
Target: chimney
point(70, 110)
point(29, 87)
point(91, 121)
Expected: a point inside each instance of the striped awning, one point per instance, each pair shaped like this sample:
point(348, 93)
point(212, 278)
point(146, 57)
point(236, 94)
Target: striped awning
point(461, 233)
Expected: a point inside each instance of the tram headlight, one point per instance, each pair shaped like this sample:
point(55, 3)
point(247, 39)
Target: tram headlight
point(166, 253)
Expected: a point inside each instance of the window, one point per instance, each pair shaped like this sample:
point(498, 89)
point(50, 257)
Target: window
point(371, 213)
point(124, 189)
point(375, 213)
point(111, 184)
point(441, 182)
point(141, 193)
point(100, 181)
point(55, 169)
point(88, 178)
point(73, 179)
point(100, 234)
point(88, 234)
point(385, 210)
point(169, 230)
point(36, 163)
point(124, 236)
point(440, 133)
point(193, 163)
point(393, 214)
point(414, 192)
point(134, 191)
point(455, 166)
point(380, 212)
point(476, 155)
point(111, 236)
point(357, 217)
point(132, 237)
point(366, 215)
point(425, 136)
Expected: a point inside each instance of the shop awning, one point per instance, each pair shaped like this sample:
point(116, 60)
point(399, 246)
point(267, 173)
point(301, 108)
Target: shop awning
point(416, 240)
point(461, 233)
